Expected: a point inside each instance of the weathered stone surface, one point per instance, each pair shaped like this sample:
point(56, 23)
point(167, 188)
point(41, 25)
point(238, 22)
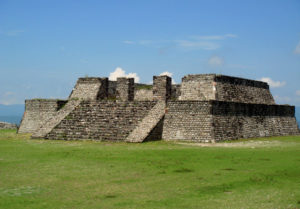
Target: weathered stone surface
point(37, 111)
point(125, 89)
point(143, 95)
point(240, 120)
point(101, 120)
point(233, 89)
point(188, 120)
point(90, 88)
point(5, 125)
point(225, 88)
point(144, 92)
point(218, 120)
point(198, 87)
point(47, 125)
point(145, 129)
point(162, 88)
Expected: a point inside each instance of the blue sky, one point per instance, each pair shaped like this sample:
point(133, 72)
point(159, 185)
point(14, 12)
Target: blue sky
point(46, 45)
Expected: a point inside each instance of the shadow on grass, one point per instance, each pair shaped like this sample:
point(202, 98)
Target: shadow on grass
point(183, 170)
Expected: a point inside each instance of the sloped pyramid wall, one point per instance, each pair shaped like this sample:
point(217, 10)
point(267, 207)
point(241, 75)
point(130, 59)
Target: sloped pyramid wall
point(90, 88)
point(101, 120)
point(37, 111)
point(48, 124)
point(145, 130)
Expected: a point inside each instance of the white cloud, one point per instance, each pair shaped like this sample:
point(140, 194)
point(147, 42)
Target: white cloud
point(297, 49)
point(12, 32)
point(9, 98)
point(133, 75)
point(216, 61)
point(166, 73)
point(206, 45)
point(298, 93)
point(9, 93)
point(273, 84)
point(119, 72)
point(128, 42)
point(215, 37)
point(170, 75)
point(193, 42)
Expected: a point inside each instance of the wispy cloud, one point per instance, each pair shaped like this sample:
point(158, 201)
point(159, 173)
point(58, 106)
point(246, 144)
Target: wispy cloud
point(215, 37)
point(273, 84)
point(206, 45)
point(128, 42)
point(298, 93)
point(12, 32)
point(9, 98)
point(191, 43)
point(216, 61)
point(297, 49)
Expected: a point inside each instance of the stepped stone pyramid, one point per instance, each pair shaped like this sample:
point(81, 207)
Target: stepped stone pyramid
point(203, 108)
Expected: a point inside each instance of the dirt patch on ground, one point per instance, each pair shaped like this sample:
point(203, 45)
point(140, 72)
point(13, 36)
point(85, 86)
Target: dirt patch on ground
point(247, 144)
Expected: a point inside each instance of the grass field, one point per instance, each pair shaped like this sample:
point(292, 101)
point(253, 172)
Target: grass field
point(258, 173)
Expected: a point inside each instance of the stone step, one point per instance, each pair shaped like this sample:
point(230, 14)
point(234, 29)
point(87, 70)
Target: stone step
point(48, 125)
point(144, 128)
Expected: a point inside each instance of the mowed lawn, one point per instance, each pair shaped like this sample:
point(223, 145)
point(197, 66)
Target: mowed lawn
point(257, 173)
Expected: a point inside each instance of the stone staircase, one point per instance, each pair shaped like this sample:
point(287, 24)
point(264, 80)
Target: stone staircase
point(144, 128)
point(48, 125)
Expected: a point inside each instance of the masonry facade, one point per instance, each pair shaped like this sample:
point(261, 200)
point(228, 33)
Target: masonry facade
point(203, 108)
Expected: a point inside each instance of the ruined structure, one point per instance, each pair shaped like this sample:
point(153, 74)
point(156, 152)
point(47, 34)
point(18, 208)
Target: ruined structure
point(203, 108)
point(5, 125)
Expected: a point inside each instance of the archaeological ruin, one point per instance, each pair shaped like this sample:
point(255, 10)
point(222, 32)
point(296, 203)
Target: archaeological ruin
point(203, 108)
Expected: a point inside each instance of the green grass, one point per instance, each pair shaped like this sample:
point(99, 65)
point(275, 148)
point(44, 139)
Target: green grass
point(143, 86)
point(89, 174)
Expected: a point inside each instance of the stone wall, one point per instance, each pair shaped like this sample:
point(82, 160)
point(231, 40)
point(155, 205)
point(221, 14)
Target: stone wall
point(225, 88)
point(176, 91)
point(112, 88)
point(239, 120)
point(147, 128)
point(198, 87)
point(37, 111)
point(90, 88)
point(101, 120)
point(216, 120)
point(49, 124)
point(156, 133)
point(143, 95)
point(125, 89)
point(5, 125)
point(162, 88)
point(188, 120)
point(143, 92)
point(242, 90)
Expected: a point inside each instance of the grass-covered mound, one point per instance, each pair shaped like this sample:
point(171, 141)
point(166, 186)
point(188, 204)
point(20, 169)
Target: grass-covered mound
point(259, 173)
